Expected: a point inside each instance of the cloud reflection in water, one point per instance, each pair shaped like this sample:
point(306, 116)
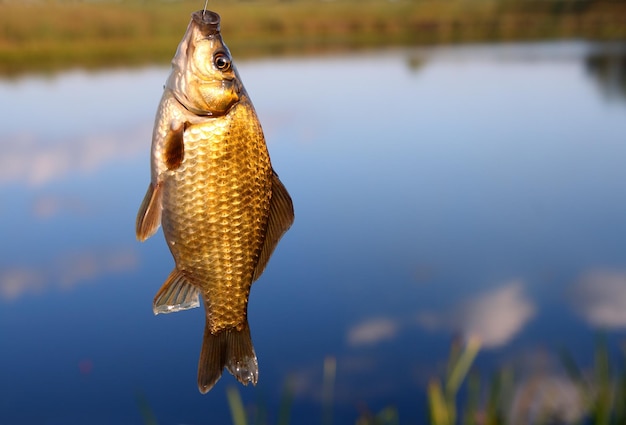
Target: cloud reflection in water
point(373, 331)
point(494, 317)
point(92, 119)
point(48, 206)
point(600, 297)
point(65, 273)
point(528, 164)
point(36, 162)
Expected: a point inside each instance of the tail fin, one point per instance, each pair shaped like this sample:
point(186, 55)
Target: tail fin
point(229, 348)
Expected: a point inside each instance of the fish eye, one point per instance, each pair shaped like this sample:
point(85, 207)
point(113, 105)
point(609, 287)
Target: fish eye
point(222, 62)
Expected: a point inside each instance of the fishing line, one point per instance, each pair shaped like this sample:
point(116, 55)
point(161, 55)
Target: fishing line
point(204, 10)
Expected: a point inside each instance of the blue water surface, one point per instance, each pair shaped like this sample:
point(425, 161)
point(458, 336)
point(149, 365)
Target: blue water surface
point(473, 192)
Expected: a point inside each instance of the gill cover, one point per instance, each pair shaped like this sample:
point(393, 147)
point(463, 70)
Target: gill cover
point(203, 77)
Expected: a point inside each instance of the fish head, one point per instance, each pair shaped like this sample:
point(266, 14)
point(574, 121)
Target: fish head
point(203, 77)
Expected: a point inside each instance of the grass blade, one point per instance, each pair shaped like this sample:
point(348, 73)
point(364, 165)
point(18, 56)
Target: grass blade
point(388, 416)
point(437, 405)
point(494, 400)
point(330, 372)
point(577, 377)
point(473, 399)
point(603, 399)
point(453, 357)
point(286, 401)
point(147, 414)
point(237, 411)
point(461, 367)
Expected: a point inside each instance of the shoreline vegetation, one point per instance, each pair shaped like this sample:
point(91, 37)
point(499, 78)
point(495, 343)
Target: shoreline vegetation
point(48, 35)
point(463, 396)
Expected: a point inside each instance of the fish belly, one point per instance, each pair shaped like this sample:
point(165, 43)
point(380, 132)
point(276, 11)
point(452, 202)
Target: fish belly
point(215, 211)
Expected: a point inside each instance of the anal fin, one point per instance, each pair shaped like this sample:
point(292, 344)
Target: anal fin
point(280, 219)
point(149, 215)
point(176, 294)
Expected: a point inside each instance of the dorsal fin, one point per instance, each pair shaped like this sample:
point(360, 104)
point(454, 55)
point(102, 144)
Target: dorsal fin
point(280, 219)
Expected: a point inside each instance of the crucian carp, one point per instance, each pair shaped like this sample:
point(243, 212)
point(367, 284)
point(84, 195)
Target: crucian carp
point(217, 197)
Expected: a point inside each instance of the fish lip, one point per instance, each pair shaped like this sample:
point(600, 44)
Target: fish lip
point(207, 20)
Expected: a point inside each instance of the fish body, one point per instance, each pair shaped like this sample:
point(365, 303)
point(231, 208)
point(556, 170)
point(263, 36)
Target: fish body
point(215, 193)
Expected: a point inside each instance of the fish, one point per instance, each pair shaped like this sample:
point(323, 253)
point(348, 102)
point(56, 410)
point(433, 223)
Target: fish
point(215, 194)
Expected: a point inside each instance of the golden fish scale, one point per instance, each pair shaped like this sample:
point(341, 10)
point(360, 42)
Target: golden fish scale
point(215, 209)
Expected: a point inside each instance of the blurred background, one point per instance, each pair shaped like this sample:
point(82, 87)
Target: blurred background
point(458, 173)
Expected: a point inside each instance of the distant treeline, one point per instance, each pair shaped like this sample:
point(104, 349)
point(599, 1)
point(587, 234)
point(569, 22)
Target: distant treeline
point(48, 35)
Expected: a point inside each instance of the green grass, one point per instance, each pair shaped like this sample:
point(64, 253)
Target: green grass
point(442, 395)
point(489, 401)
point(603, 390)
point(51, 35)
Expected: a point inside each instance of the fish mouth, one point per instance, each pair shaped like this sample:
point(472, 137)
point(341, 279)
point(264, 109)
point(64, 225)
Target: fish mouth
point(208, 21)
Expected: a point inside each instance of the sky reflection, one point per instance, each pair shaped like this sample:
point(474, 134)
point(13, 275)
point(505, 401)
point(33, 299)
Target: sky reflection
point(83, 120)
point(493, 318)
point(600, 297)
point(64, 272)
point(475, 191)
point(36, 162)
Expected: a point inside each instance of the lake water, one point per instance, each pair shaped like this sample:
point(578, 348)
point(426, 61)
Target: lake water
point(442, 193)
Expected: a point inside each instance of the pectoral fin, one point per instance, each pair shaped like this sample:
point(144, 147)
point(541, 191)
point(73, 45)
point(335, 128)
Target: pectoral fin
point(176, 294)
point(174, 146)
point(280, 219)
point(149, 215)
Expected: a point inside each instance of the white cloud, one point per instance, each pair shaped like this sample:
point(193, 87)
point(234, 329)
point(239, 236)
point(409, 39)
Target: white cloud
point(48, 206)
point(600, 297)
point(64, 273)
point(497, 316)
point(18, 281)
point(38, 162)
point(493, 318)
point(372, 331)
